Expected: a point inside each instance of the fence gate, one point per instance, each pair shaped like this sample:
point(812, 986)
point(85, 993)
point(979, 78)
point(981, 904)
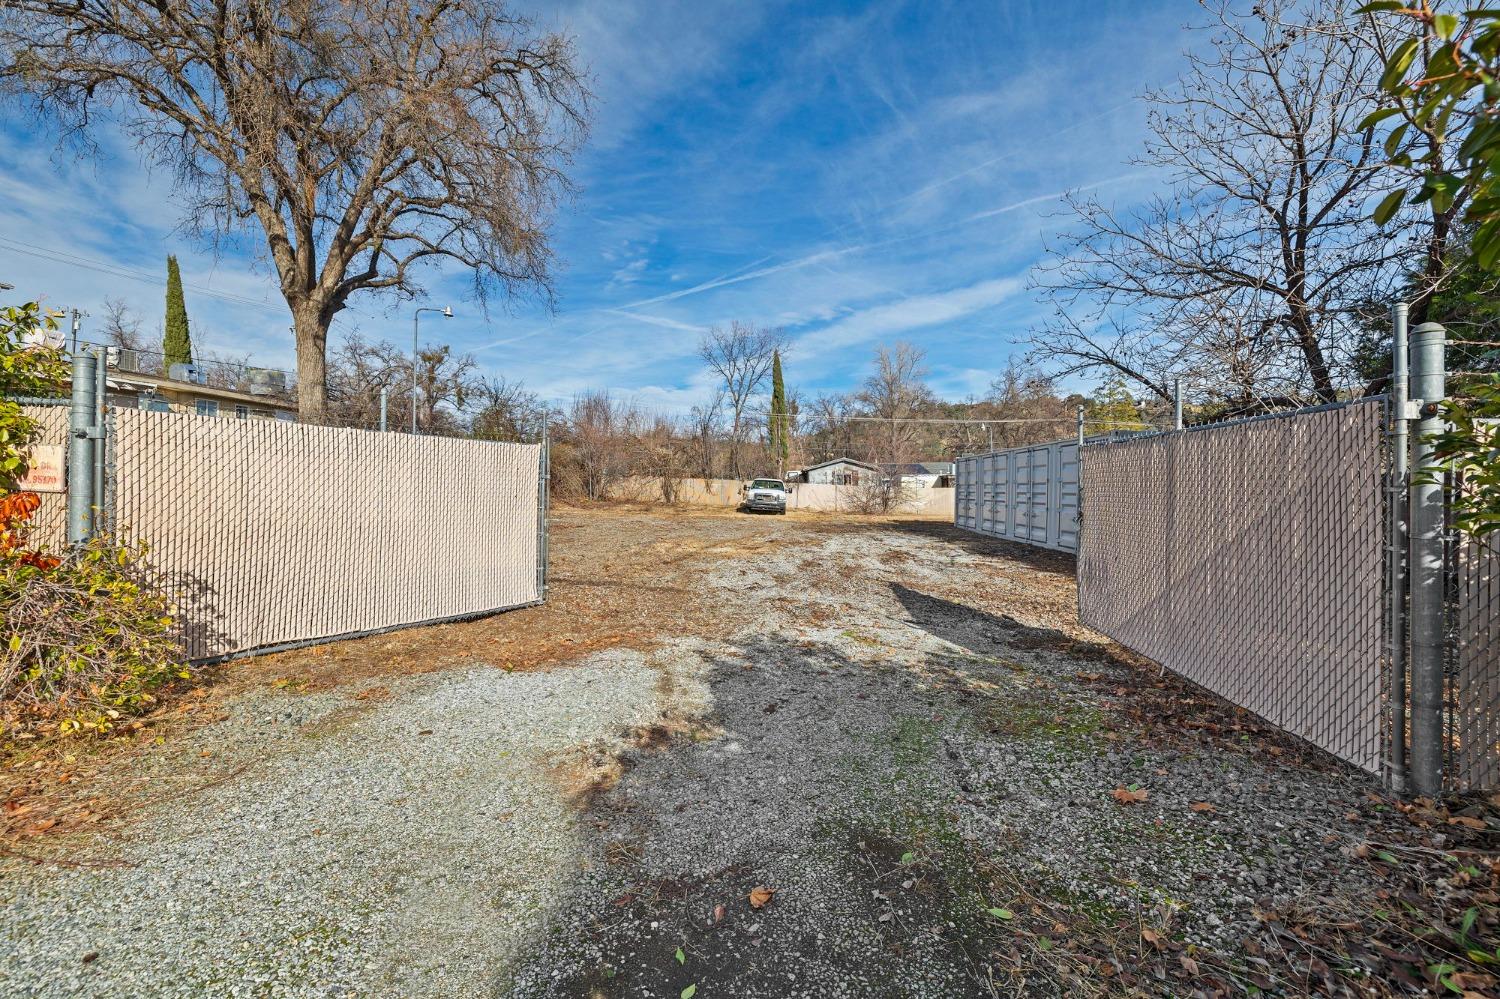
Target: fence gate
point(1249, 557)
point(271, 534)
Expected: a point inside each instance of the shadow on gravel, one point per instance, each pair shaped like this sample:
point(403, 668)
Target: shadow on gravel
point(826, 782)
point(983, 633)
point(978, 544)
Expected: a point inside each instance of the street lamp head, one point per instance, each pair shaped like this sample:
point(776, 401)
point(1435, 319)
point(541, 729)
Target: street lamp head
point(447, 312)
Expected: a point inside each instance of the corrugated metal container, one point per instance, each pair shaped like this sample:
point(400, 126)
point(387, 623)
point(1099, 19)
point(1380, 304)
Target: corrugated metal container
point(1026, 494)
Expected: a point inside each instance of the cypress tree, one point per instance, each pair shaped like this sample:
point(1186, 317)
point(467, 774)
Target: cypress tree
point(780, 446)
point(177, 342)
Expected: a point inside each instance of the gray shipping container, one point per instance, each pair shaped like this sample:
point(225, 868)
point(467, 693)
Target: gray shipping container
point(1026, 494)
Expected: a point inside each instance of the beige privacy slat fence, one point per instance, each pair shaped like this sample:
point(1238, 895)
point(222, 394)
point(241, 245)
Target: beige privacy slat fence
point(1248, 557)
point(275, 533)
point(1474, 688)
point(49, 525)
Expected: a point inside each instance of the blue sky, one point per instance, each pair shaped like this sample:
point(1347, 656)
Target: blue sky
point(856, 173)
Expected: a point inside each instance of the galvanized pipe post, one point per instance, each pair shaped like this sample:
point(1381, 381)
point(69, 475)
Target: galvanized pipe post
point(1425, 563)
point(543, 495)
point(1080, 430)
point(99, 433)
point(1396, 541)
point(81, 448)
point(1177, 404)
point(385, 405)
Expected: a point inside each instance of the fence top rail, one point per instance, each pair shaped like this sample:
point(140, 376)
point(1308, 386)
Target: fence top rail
point(1110, 437)
point(1262, 418)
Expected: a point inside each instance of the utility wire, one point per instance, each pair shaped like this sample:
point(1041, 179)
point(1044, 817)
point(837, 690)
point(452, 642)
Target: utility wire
point(119, 270)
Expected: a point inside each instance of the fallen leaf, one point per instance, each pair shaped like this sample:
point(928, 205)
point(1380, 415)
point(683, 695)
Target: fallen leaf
point(690, 991)
point(1203, 806)
point(1151, 936)
point(1188, 964)
point(1468, 822)
point(681, 957)
point(759, 896)
point(1127, 796)
point(718, 913)
point(1002, 913)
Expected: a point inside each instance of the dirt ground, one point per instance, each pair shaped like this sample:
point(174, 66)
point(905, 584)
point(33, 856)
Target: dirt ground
point(733, 756)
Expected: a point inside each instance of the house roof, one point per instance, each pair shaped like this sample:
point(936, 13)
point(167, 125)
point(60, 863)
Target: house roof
point(136, 381)
point(919, 468)
point(841, 461)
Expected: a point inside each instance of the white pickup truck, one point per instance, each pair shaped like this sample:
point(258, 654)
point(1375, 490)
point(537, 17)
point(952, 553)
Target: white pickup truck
point(765, 494)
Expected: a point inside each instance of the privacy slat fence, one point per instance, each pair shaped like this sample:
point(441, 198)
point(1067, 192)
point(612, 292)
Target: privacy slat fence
point(1474, 691)
point(1249, 558)
point(272, 533)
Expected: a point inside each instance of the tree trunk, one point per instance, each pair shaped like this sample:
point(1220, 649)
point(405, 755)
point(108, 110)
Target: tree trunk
point(312, 365)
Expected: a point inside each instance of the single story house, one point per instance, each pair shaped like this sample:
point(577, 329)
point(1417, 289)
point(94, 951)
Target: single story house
point(921, 474)
point(185, 389)
point(841, 472)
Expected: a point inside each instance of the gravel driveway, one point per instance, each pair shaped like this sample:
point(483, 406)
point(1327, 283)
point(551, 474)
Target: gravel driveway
point(897, 730)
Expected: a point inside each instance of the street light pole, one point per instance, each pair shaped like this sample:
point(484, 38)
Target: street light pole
point(447, 313)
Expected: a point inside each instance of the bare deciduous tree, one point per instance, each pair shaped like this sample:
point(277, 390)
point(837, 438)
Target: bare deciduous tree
point(362, 137)
point(706, 421)
point(1242, 277)
point(360, 369)
point(506, 411)
point(895, 396)
point(741, 356)
point(122, 326)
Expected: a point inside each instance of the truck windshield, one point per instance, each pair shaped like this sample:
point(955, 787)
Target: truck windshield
point(766, 484)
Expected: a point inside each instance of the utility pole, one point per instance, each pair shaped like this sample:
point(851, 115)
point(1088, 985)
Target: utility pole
point(73, 335)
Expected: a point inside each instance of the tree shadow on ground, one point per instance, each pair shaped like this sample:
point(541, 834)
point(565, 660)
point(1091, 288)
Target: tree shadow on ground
point(1042, 559)
point(984, 633)
point(825, 782)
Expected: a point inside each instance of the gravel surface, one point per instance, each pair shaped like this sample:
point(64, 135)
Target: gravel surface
point(904, 735)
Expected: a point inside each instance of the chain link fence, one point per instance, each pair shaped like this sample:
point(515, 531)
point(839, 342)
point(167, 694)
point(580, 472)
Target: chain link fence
point(272, 534)
point(1473, 686)
point(1249, 557)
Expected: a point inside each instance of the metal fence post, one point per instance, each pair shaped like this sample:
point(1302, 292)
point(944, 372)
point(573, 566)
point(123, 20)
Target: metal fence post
point(81, 446)
point(1080, 428)
point(100, 434)
point(1177, 404)
point(543, 495)
point(1396, 545)
point(385, 405)
point(1425, 564)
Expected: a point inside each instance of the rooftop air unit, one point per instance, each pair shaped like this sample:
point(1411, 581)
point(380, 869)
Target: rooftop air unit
point(266, 381)
point(190, 373)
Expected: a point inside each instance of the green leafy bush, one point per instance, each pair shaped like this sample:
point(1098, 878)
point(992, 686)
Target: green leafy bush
point(1472, 444)
point(25, 369)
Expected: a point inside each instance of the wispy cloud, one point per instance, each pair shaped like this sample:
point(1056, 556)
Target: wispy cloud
point(857, 176)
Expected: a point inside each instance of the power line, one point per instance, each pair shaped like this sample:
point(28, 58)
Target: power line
point(119, 270)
